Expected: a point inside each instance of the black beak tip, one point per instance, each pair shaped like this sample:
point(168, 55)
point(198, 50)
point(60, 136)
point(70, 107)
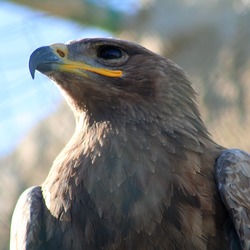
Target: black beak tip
point(35, 59)
point(32, 70)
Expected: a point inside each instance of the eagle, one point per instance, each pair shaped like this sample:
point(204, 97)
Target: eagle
point(141, 170)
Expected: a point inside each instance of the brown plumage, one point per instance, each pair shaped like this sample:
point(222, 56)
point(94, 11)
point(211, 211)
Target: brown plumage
point(140, 170)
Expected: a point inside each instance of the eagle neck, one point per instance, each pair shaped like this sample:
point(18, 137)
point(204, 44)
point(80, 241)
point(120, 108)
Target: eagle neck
point(114, 164)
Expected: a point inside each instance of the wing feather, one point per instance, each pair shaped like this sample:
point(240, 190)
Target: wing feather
point(233, 179)
point(26, 225)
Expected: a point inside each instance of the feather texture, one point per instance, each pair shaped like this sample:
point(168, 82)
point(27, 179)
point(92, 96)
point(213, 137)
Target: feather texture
point(139, 170)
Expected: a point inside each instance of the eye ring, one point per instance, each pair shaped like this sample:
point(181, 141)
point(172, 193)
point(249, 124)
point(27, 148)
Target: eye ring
point(109, 52)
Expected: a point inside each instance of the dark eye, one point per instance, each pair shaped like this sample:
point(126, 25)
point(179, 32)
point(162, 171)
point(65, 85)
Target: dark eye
point(110, 52)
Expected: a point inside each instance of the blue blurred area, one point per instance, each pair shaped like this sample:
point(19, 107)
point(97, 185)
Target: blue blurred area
point(128, 6)
point(24, 102)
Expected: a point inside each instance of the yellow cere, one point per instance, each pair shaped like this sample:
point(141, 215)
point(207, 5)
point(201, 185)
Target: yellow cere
point(71, 66)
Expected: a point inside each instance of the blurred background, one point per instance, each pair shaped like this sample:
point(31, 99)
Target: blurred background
point(210, 39)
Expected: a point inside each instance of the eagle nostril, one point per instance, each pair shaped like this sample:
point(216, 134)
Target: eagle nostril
point(60, 52)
